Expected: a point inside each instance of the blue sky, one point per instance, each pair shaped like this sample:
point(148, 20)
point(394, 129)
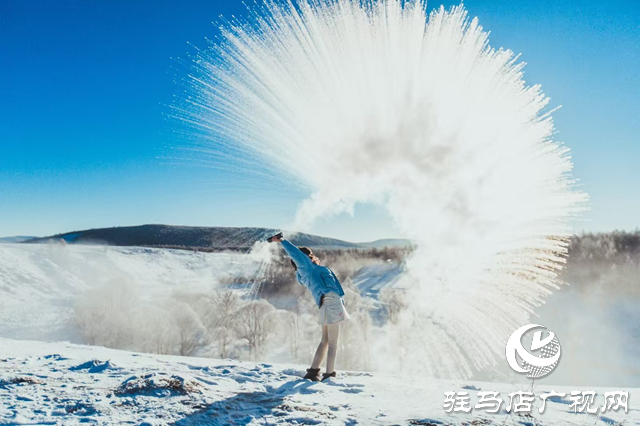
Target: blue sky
point(84, 141)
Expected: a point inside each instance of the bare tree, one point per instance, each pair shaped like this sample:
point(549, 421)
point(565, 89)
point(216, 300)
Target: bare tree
point(290, 326)
point(159, 332)
point(191, 332)
point(218, 312)
point(255, 322)
point(104, 315)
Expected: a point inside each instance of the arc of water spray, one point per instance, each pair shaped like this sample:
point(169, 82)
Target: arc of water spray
point(377, 101)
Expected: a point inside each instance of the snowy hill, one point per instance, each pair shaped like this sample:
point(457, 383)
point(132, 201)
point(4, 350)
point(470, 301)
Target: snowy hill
point(15, 240)
point(188, 237)
point(387, 242)
point(65, 384)
point(199, 237)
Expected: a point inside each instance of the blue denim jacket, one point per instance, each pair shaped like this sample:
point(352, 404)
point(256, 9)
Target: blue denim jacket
point(319, 279)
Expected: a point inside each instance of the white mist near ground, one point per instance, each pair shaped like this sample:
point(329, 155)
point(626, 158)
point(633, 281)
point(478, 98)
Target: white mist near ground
point(380, 102)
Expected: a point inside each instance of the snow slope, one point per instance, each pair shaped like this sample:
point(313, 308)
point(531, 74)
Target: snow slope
point(15, 240)
point(39, 284)
point(66, 384)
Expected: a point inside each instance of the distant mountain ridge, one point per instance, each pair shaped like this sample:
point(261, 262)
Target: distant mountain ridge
point(218, 238)
point(15, 240)
point(387, 242)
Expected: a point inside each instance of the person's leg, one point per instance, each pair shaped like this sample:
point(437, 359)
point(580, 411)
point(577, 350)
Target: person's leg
point(322, 348)
point(333, 332)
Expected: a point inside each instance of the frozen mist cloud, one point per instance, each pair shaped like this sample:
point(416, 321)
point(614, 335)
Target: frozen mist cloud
point(380, 102)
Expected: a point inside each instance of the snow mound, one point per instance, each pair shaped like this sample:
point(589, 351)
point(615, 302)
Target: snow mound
point(159, 385)
point(27, 380)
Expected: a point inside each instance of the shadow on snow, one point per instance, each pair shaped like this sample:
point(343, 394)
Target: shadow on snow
point(245, 407)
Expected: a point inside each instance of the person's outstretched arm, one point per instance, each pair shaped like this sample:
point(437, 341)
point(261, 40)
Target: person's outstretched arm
point(302, 260)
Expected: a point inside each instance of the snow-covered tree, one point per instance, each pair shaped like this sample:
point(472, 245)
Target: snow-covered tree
point(191, 332)
point(254, 322)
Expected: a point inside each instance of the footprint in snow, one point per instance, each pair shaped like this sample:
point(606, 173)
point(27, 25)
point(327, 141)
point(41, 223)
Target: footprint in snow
point(358, 374)
point(351, 390)
point(304, 421)
point(333, 382)
point(346, 388)
point(425, 422)
point(303, 387)
point(221, 369)
point(206, 382)
point(95, 366)
point(55, 357)
point(80, 409)
point(293, 372)
point(471, 387)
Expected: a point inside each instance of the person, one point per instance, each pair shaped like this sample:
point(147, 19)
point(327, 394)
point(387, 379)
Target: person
point(328, 295)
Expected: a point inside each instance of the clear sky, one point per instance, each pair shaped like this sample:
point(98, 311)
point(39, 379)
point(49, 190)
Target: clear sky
point(84, 141)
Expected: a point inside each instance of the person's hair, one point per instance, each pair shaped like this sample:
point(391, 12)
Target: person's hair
point(308, 252)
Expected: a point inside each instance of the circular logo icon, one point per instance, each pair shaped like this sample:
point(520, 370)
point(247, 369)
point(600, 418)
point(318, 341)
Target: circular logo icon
point(543, 357)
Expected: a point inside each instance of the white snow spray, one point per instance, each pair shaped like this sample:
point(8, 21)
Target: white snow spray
point(381, 102)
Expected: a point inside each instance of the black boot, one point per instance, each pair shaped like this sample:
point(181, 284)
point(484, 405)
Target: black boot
point(313, 374)
point(326, 376)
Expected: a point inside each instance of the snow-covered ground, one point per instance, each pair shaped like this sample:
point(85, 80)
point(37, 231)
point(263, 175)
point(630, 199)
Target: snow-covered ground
point(63, 383)
point(373, 278)
point(67, 384)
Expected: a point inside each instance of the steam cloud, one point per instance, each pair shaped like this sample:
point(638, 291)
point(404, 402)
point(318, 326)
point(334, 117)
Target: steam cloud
point(379, 102)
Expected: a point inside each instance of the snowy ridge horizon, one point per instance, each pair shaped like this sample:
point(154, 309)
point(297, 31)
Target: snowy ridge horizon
point(380, 102)
point(201, 237)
